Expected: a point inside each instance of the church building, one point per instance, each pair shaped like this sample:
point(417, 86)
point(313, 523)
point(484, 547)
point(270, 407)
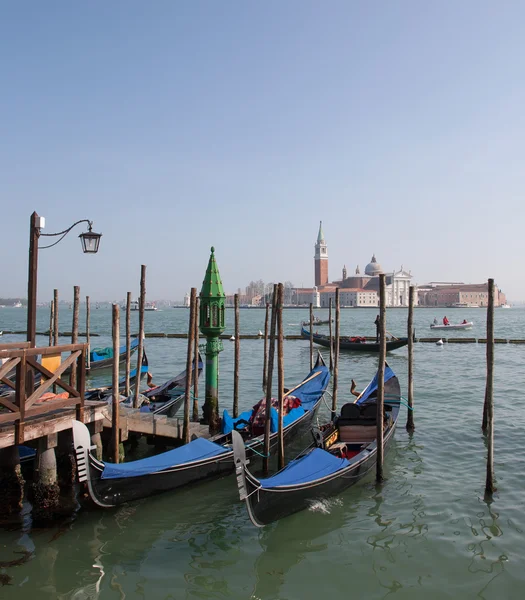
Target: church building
point(357, 289)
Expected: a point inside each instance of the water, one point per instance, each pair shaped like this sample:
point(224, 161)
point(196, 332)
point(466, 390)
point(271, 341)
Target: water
point(426, 532)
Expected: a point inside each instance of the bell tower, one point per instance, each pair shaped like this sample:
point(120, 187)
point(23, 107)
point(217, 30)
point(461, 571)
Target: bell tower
point(321, 259)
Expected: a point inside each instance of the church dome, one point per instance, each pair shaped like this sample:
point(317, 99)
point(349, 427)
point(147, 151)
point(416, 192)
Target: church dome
point(373, 268)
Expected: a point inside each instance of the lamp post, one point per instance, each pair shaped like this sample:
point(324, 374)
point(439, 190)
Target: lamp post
point(89, 240)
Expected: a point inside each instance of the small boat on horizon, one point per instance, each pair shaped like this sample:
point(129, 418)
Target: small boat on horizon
point(453, 326)
point(148, 306)
point(317, 321)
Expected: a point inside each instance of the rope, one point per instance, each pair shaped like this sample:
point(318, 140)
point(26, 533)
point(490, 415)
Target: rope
point(399, 400)
point(259, 453)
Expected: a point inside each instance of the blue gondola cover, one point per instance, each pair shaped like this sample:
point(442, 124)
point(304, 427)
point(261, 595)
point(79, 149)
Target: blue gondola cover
point(372, 386)
point(196, 450)
point(316, 464)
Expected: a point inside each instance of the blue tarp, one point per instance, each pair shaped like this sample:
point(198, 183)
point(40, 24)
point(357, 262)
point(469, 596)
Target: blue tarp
point(372, 386)
point(105, 353)
point(294, 414)
point(195, 450)
point(310, 392)
point(316, 464)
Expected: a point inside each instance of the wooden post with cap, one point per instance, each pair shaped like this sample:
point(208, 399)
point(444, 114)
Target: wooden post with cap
point(489, 391)
point(381, 378)
point(410, 333)
point(271, 357)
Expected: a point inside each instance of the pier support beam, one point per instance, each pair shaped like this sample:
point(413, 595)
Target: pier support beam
point(12, 482)
point(96, 440)
point(45, 492)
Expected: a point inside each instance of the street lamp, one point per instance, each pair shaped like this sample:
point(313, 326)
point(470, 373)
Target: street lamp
point(90, 242)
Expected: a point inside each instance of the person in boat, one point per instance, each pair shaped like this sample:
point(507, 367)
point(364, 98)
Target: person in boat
point(376, 323)
point(435, 321)
point(446, 321)
point(464, 321)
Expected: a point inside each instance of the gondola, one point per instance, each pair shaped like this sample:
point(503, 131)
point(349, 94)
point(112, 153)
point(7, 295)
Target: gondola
point(101, 358)
point(343, 452)
point(166, 399)
point(103, 393)
point(112, 484)
point(357, 344)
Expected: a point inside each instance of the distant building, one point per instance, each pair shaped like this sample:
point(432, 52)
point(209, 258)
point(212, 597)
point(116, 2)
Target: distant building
point(443, 294)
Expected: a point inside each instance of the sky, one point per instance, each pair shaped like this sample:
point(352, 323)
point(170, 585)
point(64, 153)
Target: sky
point(175, 126)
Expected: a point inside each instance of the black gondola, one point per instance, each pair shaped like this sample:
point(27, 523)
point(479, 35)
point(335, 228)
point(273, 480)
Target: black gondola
point(166, 399)
point(358, 344)
point(342, 454)
point(111, 484)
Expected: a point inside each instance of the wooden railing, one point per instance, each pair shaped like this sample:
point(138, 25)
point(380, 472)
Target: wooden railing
point(17, 371)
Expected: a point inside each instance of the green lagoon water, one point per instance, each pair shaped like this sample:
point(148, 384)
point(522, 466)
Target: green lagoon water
point(427, 532)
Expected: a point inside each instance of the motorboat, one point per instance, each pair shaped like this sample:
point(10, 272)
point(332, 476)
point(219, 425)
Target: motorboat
point(452, 326)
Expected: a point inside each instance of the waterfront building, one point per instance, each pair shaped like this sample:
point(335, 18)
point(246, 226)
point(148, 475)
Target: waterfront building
point(462, 295)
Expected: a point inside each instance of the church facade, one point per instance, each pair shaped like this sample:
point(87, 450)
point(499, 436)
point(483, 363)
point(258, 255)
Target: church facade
point(357, 290)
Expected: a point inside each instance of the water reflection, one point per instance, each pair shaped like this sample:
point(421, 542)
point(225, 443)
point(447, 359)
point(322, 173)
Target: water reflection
point(287, 543)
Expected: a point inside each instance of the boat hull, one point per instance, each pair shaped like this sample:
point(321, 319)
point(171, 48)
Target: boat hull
point(112, 492)
point(324, 340)
point(266, 506)
point(457, 327)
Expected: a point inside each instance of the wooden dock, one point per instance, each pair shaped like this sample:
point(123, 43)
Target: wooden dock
point(131, 420)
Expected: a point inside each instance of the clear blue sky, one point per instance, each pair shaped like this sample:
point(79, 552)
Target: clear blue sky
point(178, 125)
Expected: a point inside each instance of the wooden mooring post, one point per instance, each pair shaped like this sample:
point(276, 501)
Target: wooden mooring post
point(195, 415)
point(140, 351)
point(336, 354)
point(74, 329)
point(127, 390)
point(55, 317)
point(311, 336)
point(189, 370)
point(488, 415)
point(115, 406)
point(88, 339)
point(410, 333)
point(51, 315)
point(271, 356)
point(265, 358)
point(280, 373)
point(381, 378)
point(236, 360)
point(330, 330)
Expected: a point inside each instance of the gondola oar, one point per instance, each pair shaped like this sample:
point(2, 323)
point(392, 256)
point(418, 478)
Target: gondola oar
point(302, 383)
point(392, 335)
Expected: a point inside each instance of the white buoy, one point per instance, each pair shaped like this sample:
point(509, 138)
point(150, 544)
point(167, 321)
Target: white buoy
point(232, 339)
point(439, 343)
point(260, 332)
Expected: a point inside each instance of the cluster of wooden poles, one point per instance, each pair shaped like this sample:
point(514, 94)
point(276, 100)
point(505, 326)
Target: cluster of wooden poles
point(276, 321)
point(273, 332)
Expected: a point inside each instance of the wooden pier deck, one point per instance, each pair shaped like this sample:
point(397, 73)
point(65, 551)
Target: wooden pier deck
point(131, 420)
